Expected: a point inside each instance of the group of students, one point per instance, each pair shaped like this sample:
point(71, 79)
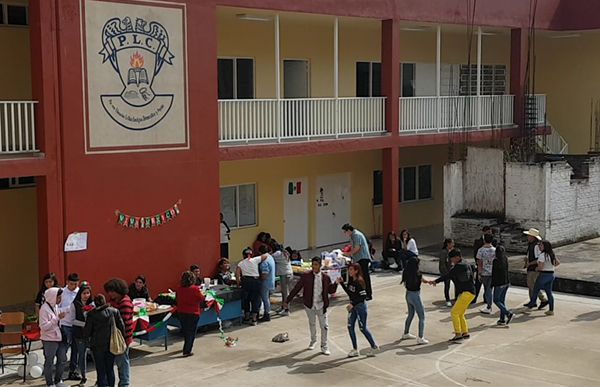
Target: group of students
point(72, 318)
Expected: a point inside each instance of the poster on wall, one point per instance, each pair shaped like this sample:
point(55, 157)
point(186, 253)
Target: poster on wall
point(135, 75)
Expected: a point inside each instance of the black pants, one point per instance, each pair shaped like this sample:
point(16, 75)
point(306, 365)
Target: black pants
point(477, 284)
point(189, 323)
point(224, 250)
point(251, 297)
point(364, 266)
point(447, 289)
point(105, 371)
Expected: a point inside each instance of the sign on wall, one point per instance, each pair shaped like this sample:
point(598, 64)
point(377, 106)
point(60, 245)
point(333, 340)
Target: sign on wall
point(135, 76)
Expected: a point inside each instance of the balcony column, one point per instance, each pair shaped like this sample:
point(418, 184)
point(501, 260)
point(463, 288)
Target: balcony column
point(518, 70)
point(438, 76)
point(278, 80)
point(44, 77)
point(390, 85)
point(478, 77)
point(336, 76)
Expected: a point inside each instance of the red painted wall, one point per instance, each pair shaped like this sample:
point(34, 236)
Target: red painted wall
point(146, 183)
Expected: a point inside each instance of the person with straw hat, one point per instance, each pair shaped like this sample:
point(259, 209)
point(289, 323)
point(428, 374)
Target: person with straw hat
point(533, 252)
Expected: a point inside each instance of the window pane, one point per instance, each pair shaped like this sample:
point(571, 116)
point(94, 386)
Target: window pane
point(408, 79)
point(17, 15)
point(1, 14)
point(425, 182)
point(245, 78)
point(400, 184)
point(376, 80)
point(225, 78)
point(377, 188)
point(409, 183)
point(362, 79)
point(247, 208)
point(228, 205)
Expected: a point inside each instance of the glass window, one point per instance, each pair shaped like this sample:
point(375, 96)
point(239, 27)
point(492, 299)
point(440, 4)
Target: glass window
point(409, 184)
point(376, 79)
point(1, 14)
point(424, 182)
point(225, 78)
point(17, 15)
point(377, 188)
point(245, 78)
point(229, 205)
point(247, 205)
point(362, 79)
point(408, 79)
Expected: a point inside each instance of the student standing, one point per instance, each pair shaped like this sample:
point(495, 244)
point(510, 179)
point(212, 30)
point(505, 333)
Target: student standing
point(500, 283)
point(49, 281)
point(267, 285)
point(477, 244)
point(546, 264)
point(51, 336)
point(360, 254)
point(248, 278)
point(485, 261)
point(316, 288)
point(531, 264)
point(116, 290)
point(461, 275)
point(80, 307)
point(283, 268)
point(444, 267)
point(412, 279)
point(225, 237)
point(68, 296)
point(357, 310)
point(189, 298)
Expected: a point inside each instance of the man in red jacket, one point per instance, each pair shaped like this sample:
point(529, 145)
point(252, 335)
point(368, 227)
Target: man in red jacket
point(317, 287)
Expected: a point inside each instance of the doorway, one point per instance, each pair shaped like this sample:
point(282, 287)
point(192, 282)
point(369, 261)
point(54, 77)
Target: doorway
point(295, 78)
point(332, 208)
point(295, 213)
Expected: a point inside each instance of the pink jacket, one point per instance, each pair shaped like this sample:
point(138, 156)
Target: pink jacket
point(49, 321)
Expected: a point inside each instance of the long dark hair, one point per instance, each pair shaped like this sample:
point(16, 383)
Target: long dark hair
point(48, 276)
point(549, 251)
point(359, 274)
point(83, 287)
point(388, 242)
point(447, 241)
point(411, 275)
point(408, 237)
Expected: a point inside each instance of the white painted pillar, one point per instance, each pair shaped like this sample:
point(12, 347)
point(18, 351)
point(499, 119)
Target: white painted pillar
point(278, 80)
point(478, 77)
point(438, 76)
point(336, 75)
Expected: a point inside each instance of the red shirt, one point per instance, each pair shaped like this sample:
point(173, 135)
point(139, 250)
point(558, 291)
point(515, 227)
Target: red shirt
point(189, 299)
point(125, 307)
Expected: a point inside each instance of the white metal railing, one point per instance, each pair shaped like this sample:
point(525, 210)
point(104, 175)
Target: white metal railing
point(17, 127)
point(454, 112)
point(552, 142)
point(540, 108)
point(271, 120)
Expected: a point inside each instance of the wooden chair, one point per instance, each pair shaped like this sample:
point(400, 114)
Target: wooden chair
point(13, 349)
point(13, 321)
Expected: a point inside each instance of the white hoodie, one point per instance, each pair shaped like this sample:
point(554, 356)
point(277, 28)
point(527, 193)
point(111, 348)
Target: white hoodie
point(49, 320)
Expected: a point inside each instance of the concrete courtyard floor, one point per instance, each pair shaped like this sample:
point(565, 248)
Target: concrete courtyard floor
point(536, 349)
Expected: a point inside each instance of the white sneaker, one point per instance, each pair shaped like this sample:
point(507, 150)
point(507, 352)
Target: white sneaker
point(448, 304)
point(408, 336)
point(422, 341)
point(353, 353)
point(312, 345)
point(371, 352)
point(486, 310)
point(394, 266)
point(325, 351)
point(61, 384)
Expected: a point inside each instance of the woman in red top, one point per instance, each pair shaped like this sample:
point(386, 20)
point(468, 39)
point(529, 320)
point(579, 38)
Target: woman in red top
point(189, 298)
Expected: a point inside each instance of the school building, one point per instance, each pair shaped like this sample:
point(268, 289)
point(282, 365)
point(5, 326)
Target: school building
point(138, 121)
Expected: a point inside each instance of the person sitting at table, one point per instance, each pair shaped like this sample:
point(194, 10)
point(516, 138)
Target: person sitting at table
point(295, 256)
point(189, 298)
point(49, 281)
point(224, 275)
point(196, 270)
point(139, 289)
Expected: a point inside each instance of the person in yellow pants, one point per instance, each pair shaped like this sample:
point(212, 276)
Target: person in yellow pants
point(462, 276)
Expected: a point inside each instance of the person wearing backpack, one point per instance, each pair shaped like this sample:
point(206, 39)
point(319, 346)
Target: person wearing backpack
point(98, 329)
point(462, 277)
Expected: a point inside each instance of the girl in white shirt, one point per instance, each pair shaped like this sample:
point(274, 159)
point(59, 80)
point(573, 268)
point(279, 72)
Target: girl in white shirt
point(546, 264)
point(409, 247)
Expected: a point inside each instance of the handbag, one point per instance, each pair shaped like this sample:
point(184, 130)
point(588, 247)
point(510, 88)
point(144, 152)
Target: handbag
point(117, 342)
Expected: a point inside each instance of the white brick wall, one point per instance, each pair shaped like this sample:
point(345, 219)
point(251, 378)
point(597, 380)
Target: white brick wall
point(526, 194)
point(484, 180)
point(453, 194)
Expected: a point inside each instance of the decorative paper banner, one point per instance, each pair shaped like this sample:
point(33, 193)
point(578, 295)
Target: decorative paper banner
point(146, 222)
point(144, 323)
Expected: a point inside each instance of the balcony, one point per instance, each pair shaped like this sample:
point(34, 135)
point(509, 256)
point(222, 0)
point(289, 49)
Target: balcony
point(447, 113)
point(299, 119)
point(17, 127)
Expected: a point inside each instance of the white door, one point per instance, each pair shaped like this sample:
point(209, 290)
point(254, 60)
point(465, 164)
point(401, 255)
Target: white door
point(295, 78)
point(295, 213)
point(332, 208)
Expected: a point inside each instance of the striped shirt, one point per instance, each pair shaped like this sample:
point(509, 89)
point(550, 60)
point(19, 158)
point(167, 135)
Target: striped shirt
point(125, 307)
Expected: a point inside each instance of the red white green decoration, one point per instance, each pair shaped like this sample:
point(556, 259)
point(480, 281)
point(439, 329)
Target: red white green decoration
point(147, 222)
point(142, 322)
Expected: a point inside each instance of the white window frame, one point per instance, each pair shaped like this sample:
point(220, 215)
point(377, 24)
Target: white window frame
point(4, 20)
point(370, 62)
point(235, 81)
point(416, 183)
point(237, 204)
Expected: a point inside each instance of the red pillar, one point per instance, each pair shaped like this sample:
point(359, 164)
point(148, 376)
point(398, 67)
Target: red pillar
point(390, 84)
point(45, 88)
point(518, 68)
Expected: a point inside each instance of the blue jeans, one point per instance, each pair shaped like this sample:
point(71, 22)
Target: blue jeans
point(488, 298)
point(499, 300)
point(359, 312)
point(189, 325)
point(413, 300)
point(58, 350)
point(122, 362)
point(82, 352)
point(544, 282)
point(105, 372)
point(265, 294)
point(71, 343)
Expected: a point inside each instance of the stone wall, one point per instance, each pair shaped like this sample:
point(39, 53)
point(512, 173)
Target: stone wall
point(484, 181)
point(465, 230)
point(453, 194)
point(526, 187)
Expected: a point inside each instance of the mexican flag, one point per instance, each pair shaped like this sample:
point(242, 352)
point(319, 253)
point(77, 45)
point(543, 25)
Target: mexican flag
point(141, 320)
point(213, 301)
